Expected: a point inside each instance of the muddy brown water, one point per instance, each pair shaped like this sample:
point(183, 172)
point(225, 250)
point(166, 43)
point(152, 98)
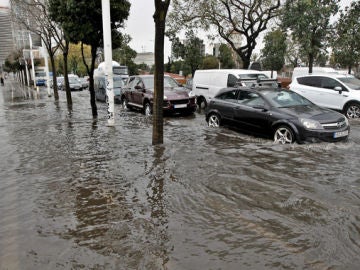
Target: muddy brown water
point(76, 194)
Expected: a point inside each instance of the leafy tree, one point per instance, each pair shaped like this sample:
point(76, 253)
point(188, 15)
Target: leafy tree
point(81, 21)
point(308, 21)
point(226, 57)
point(161, 9)
point(34, 15)
point(191, 50)
point(125, 55)
point(346, 44)
point(273, 53)
point(76, 65)
point(238, 22)
point(180, 65)
point(210, 62)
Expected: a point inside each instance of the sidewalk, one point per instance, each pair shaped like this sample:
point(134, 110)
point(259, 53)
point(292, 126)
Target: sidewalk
point(13, 89)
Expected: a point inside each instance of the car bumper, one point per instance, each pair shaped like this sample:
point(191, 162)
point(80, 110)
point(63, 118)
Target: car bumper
point(324, 135)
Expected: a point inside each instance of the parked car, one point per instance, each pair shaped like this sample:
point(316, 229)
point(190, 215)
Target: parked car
point(75, 83)
point(139, 94)
point(60, 83)
point(284, 115)
point(100, 88)
point(84, 82)
point(335, 91)
point(207, 82)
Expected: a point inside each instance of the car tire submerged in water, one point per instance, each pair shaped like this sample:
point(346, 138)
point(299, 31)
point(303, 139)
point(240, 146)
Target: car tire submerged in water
point(124, 104)
point(283, 135)
point(214, 120)
point(147, 109)
point(352, 110)
point(201, 102)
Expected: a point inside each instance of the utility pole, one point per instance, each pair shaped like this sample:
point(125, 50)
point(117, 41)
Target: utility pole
point(105, 6)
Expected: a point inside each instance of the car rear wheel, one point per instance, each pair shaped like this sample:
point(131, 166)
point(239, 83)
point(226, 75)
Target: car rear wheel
point(201, 102)
point(147, 109)
point(283, 135)
point(352, 110)
point(214, 120)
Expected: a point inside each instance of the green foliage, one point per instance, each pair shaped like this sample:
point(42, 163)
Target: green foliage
point(81, 20)
point(273, 53)
point(226, 57)
point(210, 62)
point(308, 21)
point(191, 50)
point(346, 44)
point(180, 65)
point(239, 23)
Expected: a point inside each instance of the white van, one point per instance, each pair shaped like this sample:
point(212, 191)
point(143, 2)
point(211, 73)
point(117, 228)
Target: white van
point(208, 82)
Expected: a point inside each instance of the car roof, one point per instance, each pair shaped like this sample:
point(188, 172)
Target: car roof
point(329, 75)
point(251, 89)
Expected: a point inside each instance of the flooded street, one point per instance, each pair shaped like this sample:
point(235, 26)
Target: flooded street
point(76, 194)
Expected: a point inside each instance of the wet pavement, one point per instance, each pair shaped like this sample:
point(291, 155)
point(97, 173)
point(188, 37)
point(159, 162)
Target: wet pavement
point(77, 194)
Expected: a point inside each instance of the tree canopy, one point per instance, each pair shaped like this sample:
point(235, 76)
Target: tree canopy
point(273, 53)
point(238, 22)
point(309, 23)
point(346, 44)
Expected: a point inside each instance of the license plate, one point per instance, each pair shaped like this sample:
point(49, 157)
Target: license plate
point(341, 134)
point(180, 106)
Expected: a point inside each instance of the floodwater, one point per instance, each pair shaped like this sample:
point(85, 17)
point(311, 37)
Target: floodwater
point(77, 194)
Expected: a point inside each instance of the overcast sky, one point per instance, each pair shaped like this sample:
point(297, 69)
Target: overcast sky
point(141, 27)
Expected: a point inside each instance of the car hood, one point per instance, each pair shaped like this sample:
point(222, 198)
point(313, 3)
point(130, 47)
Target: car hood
point(313, 112)
point(176, 93)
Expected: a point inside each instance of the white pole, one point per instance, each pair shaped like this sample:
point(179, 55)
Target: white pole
point(44, 51)
point(32, 60)
point(105, 5)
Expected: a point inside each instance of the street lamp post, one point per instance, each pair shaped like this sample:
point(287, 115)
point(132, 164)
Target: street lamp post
point(105, 5)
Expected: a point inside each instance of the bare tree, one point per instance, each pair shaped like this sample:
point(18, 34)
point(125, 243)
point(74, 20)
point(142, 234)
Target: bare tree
point(34, 16)
point(161, 8)
point(238, 22)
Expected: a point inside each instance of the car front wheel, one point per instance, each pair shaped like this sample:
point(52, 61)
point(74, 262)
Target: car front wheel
point(124, 103)
point(147, 109)
point(283, 135)
point(352, 110)
point(214, 120)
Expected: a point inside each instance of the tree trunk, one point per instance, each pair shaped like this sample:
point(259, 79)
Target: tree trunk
point(91, 81)
point(66, 81)
point(311, 62)
point(53, 67)
point(161, 8)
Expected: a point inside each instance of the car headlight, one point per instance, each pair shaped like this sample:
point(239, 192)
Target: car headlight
point(191, 94)
point(310, 124)
point(165, 97)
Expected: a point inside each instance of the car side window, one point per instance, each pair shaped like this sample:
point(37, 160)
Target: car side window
point(251, 99)
point(330, 83)
point(230, 96)
point(314, 81)
point(231, 82)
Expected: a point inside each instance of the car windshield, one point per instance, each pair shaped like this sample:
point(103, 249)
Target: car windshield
point(351, 82)
point(168, 82)
point(73, 80)
point(281, 99)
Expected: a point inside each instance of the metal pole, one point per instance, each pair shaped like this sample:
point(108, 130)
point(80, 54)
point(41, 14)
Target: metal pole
point(32, 60)
point(105, 5)
point(45, 54)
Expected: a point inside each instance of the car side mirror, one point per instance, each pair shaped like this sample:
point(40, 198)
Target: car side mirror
point(138, 87)
point(339, 89)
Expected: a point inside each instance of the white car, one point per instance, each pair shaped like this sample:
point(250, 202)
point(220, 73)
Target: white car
point(334, 91)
